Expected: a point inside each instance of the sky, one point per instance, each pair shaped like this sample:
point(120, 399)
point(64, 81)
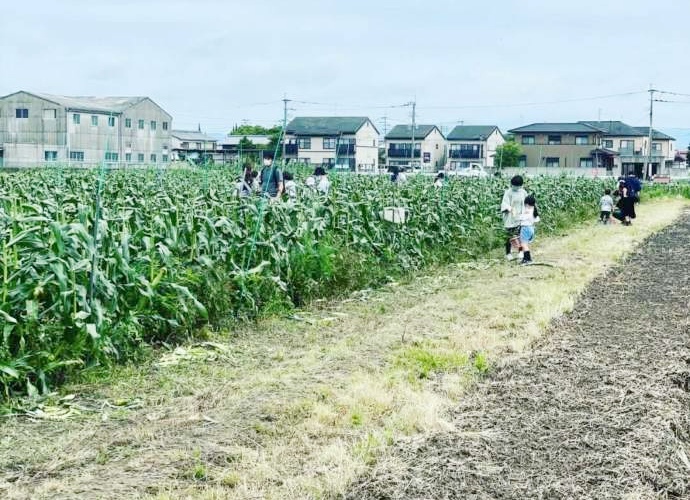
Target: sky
point(217, 63)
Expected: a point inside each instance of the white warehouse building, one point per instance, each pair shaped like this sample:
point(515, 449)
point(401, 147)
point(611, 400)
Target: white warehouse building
point(37, 129)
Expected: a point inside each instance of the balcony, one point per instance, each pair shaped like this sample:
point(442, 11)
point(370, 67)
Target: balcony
point(346, 149)
point(403, 153)
point(465, 154)
point(291, 150)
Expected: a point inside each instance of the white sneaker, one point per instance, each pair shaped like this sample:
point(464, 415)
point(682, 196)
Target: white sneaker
point(509, 256)
point(521, 255)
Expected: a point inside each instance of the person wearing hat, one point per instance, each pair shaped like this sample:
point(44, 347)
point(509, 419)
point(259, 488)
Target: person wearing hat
point(271, 178)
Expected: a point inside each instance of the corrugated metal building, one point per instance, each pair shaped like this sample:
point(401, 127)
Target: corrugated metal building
point(37, 129)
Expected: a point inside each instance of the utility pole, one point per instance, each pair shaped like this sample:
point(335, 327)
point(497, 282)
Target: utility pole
point(385, 125)
point(414, 108)
point(285, 104)
point(649, 143)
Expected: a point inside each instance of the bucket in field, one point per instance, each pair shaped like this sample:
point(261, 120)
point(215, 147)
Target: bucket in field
point(397, 215)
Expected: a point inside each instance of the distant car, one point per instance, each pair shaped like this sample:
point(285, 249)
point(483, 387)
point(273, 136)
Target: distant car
point(474, 170)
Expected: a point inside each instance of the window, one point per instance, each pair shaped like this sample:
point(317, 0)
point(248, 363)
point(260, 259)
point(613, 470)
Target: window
point(582, 140)
point(128, 123)
point(76, 155)
point(94, 120)
point(328, 162)
point(528, 139)
point(153, 157)
point(304, 143)
point(164, 158)
point(198, 145)
point(553, 162)
point(656, 146)
point(128, 157)
point(141, 124)
point(586, 163)
point(522, 161)
point(153, 125)
point(50, 155)
point(607, 143)
point(49, 114)
point(184, 145)
point(165, 125)
point(329, 142)
point(140, 157)
point(627, 144)
point(165, 147)
point(110, 156)
point(553, 139)
point(111, 121)
point(306, 161)
point(22, 113)
point(76, 118)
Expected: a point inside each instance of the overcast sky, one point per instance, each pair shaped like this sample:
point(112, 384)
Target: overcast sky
point(220, 62)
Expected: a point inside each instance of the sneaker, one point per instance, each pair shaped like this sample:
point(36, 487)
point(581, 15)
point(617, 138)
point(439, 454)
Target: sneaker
point(521, 255)
point(509, 256)
point(526, 262)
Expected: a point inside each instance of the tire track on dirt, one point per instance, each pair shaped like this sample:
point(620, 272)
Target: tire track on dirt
point(600, 408)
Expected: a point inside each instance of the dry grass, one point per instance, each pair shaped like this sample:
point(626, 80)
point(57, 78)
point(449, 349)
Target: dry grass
point(298, 408)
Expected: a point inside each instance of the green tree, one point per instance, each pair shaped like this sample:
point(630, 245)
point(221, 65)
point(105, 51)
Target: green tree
point(274, 134)
point(508, 154)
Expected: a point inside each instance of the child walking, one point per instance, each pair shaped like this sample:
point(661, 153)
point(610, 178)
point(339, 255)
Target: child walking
point(606, 207)
point(528, 218)
point(512, 205)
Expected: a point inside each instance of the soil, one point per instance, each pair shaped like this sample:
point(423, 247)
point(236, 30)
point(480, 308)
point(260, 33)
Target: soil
point(599, 408)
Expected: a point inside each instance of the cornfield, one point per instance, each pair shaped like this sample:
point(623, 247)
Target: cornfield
point(97, 264)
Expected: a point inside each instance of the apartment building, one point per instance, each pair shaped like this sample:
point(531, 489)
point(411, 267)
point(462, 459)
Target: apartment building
point(37, 129)
point(469, 144)
point(428, 153)
point(341, 142)
point(192, 145)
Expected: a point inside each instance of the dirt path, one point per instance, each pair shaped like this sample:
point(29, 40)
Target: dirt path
point(600, 408)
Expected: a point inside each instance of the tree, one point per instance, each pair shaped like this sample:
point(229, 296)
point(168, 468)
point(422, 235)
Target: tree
point(508, 154)
point(273, 134)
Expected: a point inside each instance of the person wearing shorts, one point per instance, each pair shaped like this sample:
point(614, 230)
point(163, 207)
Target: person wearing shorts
point(512, 206)
point(528, 218)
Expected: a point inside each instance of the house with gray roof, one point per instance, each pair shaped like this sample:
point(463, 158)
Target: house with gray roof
point(192, 145)
point(37, 129)
point(428, 153)
point(468, 144)
point(341, 142)
point(592, 147)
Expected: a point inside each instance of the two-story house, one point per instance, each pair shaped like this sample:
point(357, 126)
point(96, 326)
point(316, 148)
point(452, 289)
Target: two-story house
point(192, 145)
point(429, 151)
point(561, 147)
point(47, 129)
point(631, 144)
point(342, 142)
point(469, 144)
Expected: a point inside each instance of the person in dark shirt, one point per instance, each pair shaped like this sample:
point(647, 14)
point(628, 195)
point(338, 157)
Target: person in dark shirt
point(271, 178)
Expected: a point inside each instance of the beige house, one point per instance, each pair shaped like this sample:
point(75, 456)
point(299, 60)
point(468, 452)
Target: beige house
point(468, 144)
point(40, 129)
point(429, 147)
point(592, 148)
point(192, 145)
point(344, 143)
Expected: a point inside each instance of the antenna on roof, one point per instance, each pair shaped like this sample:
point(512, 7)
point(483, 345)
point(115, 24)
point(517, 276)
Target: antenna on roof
point(199, 127)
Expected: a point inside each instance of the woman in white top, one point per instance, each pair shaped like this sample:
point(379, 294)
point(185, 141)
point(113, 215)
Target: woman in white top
point(323, 185)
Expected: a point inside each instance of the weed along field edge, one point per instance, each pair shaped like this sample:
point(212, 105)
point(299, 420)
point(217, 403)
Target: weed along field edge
point(299, 405)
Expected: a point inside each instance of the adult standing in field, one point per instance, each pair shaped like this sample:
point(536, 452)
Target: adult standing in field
point(244, 183)
point(512, 207)
point(271, 178)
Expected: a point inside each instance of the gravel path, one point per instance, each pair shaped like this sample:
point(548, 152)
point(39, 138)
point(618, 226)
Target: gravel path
point(599, 409)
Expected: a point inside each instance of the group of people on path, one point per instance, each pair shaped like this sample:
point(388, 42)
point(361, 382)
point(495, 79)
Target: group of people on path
point(620, 205)
point(275, 184)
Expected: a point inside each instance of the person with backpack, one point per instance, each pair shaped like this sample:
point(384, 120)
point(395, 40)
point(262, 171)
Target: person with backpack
point(271, 178)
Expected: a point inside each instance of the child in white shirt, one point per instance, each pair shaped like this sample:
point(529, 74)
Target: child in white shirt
point(606, 207)
point(528, 218)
